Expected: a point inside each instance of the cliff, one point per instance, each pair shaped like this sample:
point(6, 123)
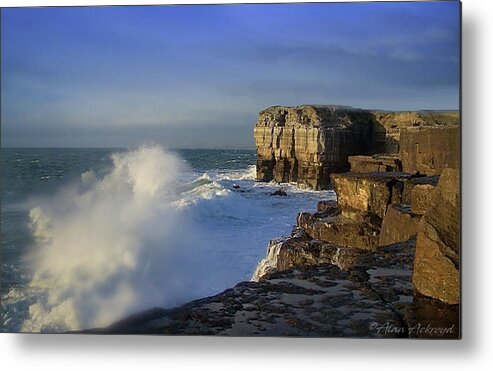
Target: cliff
point(305, 144)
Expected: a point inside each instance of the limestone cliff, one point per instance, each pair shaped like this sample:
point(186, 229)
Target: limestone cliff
point(305, 144)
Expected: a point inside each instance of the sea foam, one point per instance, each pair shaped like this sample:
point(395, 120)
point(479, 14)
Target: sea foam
point(112, 246)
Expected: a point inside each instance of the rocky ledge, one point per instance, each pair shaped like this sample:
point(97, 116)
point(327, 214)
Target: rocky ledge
point(374, 298)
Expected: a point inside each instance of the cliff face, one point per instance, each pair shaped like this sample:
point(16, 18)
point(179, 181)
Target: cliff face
point(305, 144)
point(429, 150)
point(390, 125)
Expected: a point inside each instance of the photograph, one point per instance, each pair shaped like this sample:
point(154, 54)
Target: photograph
point(241, 170)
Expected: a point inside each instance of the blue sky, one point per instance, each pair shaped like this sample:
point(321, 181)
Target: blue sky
point(196, 76)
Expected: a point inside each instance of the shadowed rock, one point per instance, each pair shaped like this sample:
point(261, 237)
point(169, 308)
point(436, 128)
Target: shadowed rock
point(429, 150)
point(436, 267)
point(399, 224)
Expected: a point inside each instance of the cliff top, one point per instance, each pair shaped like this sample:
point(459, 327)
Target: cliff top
point(339, 115)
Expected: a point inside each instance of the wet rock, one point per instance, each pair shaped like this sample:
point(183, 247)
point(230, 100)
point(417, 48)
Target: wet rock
point(301, 250)
point(436, 267)
point(399, 224)
point(279, 192)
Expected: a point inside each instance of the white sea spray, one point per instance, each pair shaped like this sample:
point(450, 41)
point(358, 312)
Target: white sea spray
point(148, 231)
point(108, 247)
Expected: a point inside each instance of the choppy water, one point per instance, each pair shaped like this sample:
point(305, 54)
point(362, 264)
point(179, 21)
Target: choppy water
point(92, 235)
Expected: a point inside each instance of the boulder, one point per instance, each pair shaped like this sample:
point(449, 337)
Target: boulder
point(300, 250)
point(369, 192)
point(436, 266)
point(279, 192)
point(399, 224)
point(341, 230)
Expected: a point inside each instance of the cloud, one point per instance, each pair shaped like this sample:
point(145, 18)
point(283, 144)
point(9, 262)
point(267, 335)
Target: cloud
point(95, 70)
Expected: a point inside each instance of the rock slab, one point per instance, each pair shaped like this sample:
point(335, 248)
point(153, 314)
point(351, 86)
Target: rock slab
point(399, 224)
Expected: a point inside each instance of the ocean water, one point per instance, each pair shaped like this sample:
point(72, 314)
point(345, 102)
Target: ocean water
point(90, 236)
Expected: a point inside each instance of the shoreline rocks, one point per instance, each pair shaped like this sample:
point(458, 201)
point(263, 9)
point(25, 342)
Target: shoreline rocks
point(372, 299)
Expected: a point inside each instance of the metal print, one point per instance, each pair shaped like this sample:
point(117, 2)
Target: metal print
point(241, 170)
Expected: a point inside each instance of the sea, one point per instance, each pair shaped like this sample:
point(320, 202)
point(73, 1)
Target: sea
point(90, 236)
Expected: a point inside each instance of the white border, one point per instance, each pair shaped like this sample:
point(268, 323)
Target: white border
point(78, 352)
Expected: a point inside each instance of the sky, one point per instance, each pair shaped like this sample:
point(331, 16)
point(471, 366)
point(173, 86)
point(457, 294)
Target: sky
point(196, 76)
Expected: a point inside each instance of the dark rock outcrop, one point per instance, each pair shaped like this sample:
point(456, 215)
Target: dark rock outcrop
point(399, 224)
point(436, 267)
